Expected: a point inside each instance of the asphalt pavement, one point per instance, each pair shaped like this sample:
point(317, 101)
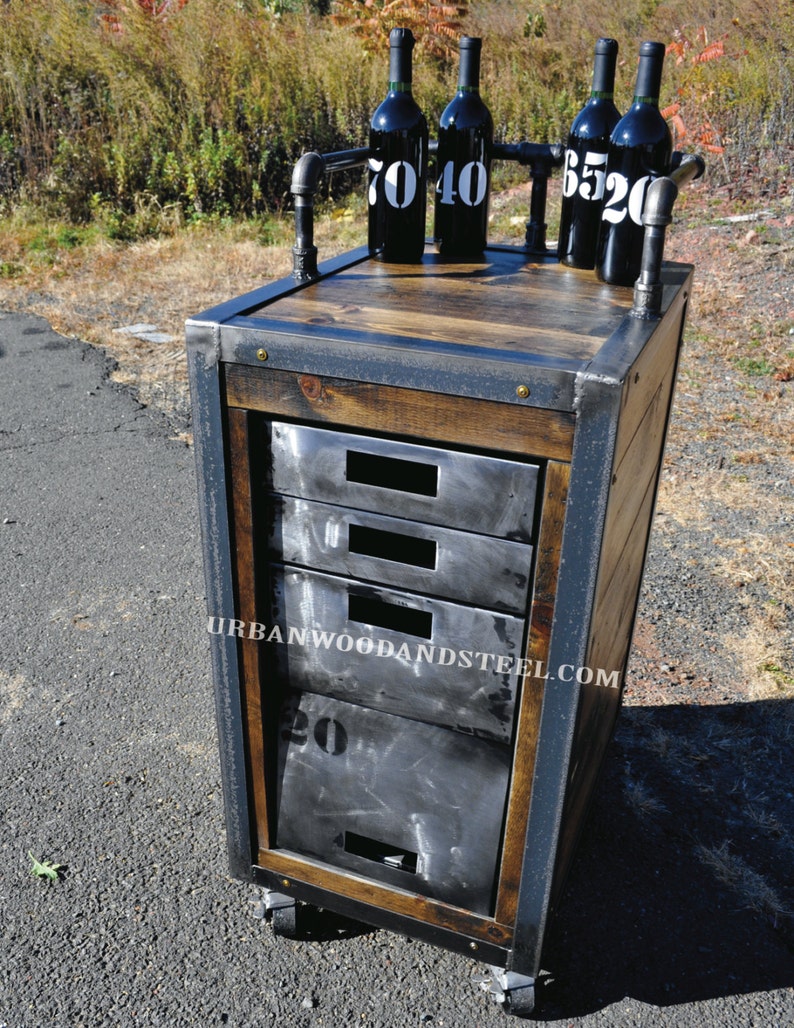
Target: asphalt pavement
point(109, 767)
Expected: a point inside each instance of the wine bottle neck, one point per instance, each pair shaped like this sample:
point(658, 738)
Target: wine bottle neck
point(606, 56)
point(401, 43)
point(469, 72)
point(649, 73)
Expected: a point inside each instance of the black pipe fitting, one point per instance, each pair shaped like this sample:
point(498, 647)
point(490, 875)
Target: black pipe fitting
point(657, 214)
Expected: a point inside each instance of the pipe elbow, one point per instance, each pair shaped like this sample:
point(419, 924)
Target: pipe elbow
point(306, 174)
point(661, 196)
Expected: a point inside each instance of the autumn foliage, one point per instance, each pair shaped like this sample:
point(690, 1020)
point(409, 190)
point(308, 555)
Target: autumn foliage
point(436, 26)
point(201, 107)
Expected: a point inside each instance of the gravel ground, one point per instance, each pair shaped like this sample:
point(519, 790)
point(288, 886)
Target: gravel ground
point(679, 907)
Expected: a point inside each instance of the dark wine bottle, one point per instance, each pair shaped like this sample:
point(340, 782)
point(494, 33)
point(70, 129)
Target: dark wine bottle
point(640, 150)
point(585, 163)
point(398, 142)
point(465, 141)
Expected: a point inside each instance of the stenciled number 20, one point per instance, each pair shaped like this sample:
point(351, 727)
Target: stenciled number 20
point(591, 182)
point(329, 734)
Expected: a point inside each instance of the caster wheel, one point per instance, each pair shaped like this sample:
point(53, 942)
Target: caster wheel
point(520, 1002)
point(284, 922)
point(283, 913)
point(514, 992)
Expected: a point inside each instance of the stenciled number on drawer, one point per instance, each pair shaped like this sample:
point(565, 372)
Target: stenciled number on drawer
point(329, 734)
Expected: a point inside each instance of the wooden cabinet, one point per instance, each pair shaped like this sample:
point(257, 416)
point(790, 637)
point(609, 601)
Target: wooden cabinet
point(426, 493)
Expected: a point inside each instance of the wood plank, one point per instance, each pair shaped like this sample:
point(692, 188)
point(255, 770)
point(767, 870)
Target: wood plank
point(500, 302)
point(245, 587)
point(613, 617)
point(646, 373)
point(296, 868)
point(635, 472)
point(541, 615)
point(429, 417)
point(600, 703)
point(636, 468)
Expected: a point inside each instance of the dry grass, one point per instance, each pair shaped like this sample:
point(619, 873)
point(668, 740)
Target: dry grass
point(91, 290)
point(753, 890)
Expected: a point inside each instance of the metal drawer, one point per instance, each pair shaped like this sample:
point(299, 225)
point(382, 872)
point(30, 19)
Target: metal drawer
point(431, 559)
point(443, 487)
point(408, 804)
point(422, 658)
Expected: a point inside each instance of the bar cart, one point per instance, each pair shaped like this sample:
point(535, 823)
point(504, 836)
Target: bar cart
point(426, 493)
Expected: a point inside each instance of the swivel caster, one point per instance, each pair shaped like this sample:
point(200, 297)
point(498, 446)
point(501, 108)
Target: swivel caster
point(515, 992)
point(283, 911)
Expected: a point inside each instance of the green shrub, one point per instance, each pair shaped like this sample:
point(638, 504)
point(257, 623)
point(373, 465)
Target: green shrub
point(138, 120)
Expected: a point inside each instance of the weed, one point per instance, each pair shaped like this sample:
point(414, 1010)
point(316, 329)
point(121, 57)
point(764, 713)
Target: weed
point(44, 868)
point(783, 678)
point(754, 892)
point(641, 800)
point(206, 106)
point(436, 26)
point(754, 365)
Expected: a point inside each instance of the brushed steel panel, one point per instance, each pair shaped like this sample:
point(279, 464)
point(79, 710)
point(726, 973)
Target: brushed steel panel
point(395, 800)
point(421, 483)
point(432, 559)
point(440, 662)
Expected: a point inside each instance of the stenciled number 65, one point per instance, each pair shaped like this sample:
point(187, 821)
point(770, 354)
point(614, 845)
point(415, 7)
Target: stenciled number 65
point(591, 184)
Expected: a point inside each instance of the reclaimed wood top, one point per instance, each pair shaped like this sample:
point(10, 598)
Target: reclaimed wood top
point(506, 300)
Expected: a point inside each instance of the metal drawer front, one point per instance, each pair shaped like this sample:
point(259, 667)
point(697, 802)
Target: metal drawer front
point(430, 559)
point(422, 658)
point(421, 483)
point(407, 804)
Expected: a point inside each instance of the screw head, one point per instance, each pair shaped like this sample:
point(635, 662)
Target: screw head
point(261, 355)
point(522, 392)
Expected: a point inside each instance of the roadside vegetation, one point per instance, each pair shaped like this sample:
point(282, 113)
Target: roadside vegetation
point(142, 116)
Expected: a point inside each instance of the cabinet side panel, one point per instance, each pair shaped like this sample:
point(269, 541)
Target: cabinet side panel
point(636, 469)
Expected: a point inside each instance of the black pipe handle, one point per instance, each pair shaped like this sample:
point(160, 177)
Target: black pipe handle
point(656, 216)
point(305, 181)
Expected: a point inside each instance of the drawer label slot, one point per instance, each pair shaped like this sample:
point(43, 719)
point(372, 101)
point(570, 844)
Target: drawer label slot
point(407, 476)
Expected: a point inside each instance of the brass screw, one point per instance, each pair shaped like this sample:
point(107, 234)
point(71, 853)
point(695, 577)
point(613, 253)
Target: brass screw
point(522, 392)
point(473, 945)
point(286, 882)
point(261, 355)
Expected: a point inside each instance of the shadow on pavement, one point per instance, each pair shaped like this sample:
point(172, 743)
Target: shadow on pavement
point(682, 887)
